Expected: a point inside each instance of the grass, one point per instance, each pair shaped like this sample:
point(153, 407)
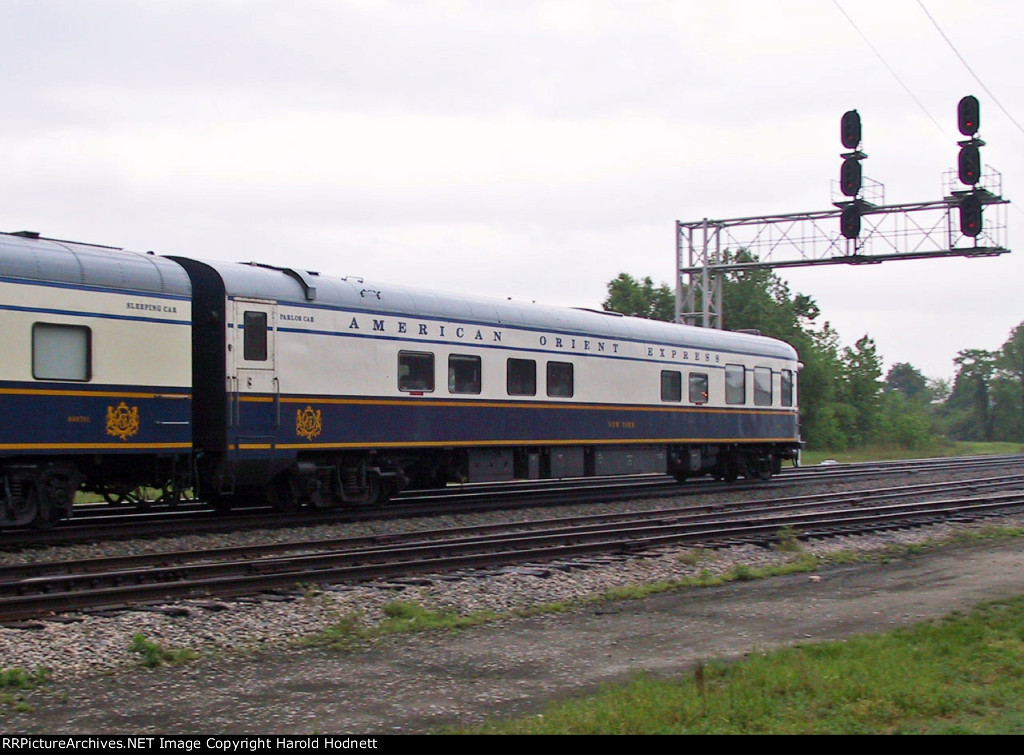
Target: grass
point(19, 680)
point(153, 654)
point(399, 616)
point(963, 674)
point(887, 453)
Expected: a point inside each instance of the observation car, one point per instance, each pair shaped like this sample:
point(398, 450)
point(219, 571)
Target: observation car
point(340, 390)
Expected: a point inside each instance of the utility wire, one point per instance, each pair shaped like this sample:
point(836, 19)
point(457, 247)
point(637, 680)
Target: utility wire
point(890, 68)
point(969, 69)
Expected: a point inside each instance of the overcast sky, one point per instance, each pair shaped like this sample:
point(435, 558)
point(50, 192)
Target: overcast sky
point(531, 149)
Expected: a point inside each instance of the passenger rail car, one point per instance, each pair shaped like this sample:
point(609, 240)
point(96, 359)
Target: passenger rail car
point(339, 390)
point(120, 370)
point(95, 375)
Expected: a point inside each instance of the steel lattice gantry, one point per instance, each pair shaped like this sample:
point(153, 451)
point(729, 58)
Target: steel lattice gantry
point(706, 250)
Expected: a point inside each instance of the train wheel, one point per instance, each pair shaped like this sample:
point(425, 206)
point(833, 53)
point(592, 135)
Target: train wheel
point(762, 468)
point(22, 509)
point(373, 493)
point(282, 497)
point(38, 510)
point(48, 512)
point(380, 491)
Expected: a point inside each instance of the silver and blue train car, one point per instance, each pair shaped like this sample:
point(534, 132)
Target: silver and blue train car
point(95, 375)
point(323, 391)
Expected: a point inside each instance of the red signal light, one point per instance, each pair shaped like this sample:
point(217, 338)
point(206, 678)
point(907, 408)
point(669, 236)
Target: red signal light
point(849, 222)
point(970, 216)
point(969, 164)
point(849, 129)
point(850, 177)
point(968, 115)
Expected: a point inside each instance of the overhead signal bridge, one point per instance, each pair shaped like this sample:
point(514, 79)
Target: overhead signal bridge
point(861, 229)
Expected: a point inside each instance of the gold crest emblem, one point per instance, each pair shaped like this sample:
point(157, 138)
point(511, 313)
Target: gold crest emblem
point(308, 423)
point(122, 422)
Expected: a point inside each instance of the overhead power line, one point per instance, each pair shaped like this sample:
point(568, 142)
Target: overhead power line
point(968, 67)
point(889, 68)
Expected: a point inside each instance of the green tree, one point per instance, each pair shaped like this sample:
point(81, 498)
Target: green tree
point(861, 388)
point(939, 389)
point(908, 380)
point(904, 422)
point(969, 406)
point(629, 296)
point(757, 299)
point(1010, 401)
point(825, 423)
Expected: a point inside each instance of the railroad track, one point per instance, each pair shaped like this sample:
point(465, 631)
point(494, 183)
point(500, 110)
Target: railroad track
point(94, 522)
point(39, 589)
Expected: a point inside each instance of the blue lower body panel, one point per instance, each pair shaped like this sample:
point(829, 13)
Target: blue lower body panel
point(296, 424)
point(68, 418)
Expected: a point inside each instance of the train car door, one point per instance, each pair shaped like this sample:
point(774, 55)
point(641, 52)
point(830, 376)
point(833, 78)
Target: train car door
point(252, 373)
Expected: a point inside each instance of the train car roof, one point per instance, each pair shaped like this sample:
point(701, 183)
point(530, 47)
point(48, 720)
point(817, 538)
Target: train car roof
point(28, 256)
point(306, 288)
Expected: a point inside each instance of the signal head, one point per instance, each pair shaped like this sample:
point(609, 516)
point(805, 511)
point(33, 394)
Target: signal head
point(849, 129)
point(970, 216)
point(968, 115)
point(849, 221)
point(850, 177)
point(969, 164)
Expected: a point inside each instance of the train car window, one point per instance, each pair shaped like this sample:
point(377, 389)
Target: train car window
point(560, 379)
point(671, 385)
point(698, 387)
point(522, 377)
point(415, 371)
point(762, 386)
point(463, 374)
point(787, 387)
point(735, 384)
point(255, 338)
point(61, 352)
